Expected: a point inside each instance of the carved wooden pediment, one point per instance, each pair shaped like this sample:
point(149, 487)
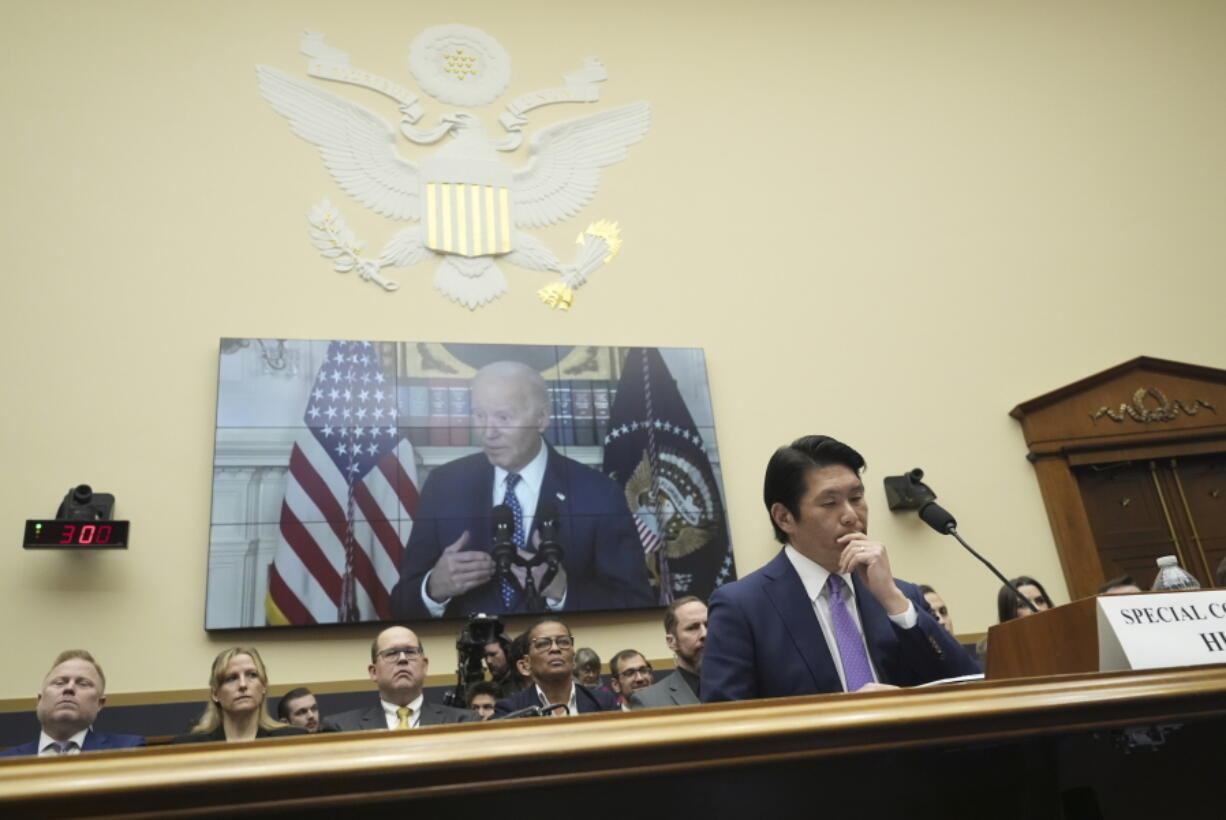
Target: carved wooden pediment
point(1144, 400)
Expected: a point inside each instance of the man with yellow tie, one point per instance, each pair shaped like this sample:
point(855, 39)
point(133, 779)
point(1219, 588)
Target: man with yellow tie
point(398, 666)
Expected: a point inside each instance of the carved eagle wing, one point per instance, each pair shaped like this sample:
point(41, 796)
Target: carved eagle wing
point(565, 159)
point(357, 145)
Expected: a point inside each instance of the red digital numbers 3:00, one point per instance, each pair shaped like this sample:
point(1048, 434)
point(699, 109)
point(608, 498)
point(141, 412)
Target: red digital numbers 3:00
point(90, 534)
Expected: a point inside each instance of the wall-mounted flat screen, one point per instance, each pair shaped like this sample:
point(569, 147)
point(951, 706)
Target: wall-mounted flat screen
point(358, 481)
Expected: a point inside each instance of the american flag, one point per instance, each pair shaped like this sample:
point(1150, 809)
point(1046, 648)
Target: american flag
point(350, 497)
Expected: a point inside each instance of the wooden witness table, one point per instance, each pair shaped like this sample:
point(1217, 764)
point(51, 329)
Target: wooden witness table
point(1021, 748)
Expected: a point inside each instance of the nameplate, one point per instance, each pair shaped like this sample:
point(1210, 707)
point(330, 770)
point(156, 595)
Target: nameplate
point(1158, 630)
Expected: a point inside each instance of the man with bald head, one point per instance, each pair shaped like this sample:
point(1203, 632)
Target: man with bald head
point(72, 695)
point(398, 666)
point(447, 567)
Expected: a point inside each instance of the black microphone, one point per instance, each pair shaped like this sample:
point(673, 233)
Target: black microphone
point(504, 537)
point(527, 711)
point(533, 711)
point(937, 517)
point(548, 516)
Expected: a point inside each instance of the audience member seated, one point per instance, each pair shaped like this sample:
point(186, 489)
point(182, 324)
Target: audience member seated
point(517, 664)
point(587, 667)
point(826, 614)
point(239, 687)
point(398, 667)
point(481, 697)
point(497, 661)
point(1119, 585)
point(1008, 606)
point(297, 707)
point(939, 610)
point(685, 632)
point(630, 672)
point(551, 665)
point(73, 694)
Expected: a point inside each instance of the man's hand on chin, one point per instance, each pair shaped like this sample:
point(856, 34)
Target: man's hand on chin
point(870, 559)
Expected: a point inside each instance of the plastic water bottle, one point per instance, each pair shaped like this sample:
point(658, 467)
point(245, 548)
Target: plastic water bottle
point(1173, 576)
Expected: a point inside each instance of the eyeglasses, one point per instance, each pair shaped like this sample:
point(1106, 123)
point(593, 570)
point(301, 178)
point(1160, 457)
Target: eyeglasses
point(543, 644)
point(393, 654)
point(634, 673)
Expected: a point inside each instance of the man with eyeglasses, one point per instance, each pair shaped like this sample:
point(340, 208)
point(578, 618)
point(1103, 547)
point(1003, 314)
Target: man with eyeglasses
point(551, 664)
point(631, 673)
point(398, 666)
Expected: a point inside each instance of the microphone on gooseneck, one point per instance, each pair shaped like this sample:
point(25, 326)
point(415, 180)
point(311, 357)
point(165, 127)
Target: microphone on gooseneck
point(937, 517)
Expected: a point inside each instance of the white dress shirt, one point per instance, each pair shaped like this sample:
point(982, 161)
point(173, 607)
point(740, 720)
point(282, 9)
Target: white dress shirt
point(814, 576)
point(46, 744)
point(393, 719)
point(571, 704)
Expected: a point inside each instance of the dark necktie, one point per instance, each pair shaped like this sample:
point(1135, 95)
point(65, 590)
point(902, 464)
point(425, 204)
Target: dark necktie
point(856, 668)
point(510, 597)
point(62, 747)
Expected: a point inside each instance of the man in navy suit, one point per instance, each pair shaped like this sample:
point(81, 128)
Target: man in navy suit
point(551, 664)
point(447, 568)
point(73, 693)
point(826, 614)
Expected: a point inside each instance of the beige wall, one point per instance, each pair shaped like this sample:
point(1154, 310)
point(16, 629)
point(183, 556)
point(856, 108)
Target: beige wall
point(886, 221)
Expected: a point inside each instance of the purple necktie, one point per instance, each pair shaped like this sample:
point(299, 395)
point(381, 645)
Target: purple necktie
point(856, 669)
point(510, 595)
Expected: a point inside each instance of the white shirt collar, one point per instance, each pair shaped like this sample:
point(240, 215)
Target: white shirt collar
point(45, 740)
point(393, 719)
point(533, 473)
point(572, 704)
point(813, 575)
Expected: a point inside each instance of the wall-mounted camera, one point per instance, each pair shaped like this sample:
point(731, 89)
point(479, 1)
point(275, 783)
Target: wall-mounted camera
point(907, 491)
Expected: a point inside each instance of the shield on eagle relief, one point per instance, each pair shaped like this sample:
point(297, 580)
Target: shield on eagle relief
point(466, 206)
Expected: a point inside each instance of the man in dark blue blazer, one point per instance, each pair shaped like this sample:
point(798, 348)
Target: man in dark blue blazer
point(826, 614)
point(73, 693)
point(447, 568)
point(551, 664)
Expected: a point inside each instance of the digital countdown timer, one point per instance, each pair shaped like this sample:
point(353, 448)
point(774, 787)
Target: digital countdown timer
point(70, 535)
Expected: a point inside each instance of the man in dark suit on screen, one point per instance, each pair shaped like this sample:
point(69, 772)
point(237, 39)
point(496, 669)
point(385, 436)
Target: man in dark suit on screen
point(398, 666)
point(73, 694)
point(447, 567)
point(826, 614)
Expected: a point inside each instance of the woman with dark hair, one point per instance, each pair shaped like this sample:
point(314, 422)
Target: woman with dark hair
point(239, 687)
point(1008, 606)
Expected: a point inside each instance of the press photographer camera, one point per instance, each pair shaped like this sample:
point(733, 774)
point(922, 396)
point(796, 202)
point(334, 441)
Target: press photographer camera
point(480, 631)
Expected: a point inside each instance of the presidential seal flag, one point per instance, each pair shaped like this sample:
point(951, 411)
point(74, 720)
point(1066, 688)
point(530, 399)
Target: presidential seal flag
point(657, 454)
point(350, 497)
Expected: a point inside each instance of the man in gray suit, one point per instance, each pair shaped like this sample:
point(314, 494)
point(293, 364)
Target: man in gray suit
point(685, 632)
point(398, 666)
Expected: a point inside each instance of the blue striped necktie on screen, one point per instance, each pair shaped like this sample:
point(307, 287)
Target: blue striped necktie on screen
point(856, 668)
point(510, 597)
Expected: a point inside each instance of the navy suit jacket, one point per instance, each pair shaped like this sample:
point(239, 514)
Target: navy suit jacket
point(94, 742)
point(586, 701)
point(764, 640)
point(603, 556)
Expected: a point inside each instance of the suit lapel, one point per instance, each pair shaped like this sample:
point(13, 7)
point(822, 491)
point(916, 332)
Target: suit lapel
point(373, 718)
point(878, 629)
point(479, 511)
point(787, 595)
point(554, 489)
